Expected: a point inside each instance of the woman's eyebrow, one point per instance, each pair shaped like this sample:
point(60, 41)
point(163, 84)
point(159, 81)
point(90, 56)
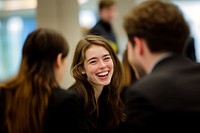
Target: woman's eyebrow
point(91, 59)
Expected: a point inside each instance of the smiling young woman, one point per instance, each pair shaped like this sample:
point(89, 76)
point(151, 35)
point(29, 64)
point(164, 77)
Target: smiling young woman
point(95, 96)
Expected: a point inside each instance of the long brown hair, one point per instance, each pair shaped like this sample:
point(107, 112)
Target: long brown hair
point(86, 89)
point(130, 75)
point(27, 94)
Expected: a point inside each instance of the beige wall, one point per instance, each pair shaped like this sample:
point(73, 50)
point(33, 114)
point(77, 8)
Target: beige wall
point(61, 15)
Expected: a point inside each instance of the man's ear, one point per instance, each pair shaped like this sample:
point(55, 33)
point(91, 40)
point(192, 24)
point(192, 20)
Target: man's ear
point(58, 62)
point(139, 44)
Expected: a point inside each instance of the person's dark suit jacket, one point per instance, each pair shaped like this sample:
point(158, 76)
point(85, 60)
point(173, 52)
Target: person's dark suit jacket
point(189, 49)
point(166, 100)
point(105, 30)
point(59, 117)
point(82, 121)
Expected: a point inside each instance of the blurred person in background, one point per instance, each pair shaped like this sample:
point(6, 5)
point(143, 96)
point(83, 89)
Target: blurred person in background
point(166, 98)
point(107, 13)
point(95, 104)
point(33, 101)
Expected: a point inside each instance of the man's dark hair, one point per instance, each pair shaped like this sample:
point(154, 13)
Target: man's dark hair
point(105, 4)
point(160, 24)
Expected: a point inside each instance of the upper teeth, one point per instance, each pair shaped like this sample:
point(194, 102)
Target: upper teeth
point(102, 74)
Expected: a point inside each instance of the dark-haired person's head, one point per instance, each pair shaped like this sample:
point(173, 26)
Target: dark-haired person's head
point(43, 66)
point(107, 10)
point(154, 27)
point(43, 54)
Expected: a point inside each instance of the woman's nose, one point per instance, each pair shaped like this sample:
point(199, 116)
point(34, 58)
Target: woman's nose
point(102, 64)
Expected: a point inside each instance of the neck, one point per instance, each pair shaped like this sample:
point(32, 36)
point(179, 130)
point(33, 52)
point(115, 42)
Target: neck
point(105, 20)
point(97, 92)
point(153, 59)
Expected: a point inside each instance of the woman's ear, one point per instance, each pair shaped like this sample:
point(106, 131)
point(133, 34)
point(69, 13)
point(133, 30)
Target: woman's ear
point(82, 70)
point(58, 62)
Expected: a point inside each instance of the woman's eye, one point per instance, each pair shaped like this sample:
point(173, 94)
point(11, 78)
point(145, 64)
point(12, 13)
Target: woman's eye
point(107, 58)
point(93, 62)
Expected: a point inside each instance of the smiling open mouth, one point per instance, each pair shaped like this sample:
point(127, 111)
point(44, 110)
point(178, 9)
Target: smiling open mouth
point(103, 74)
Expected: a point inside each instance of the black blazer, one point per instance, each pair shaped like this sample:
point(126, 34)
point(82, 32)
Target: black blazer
point(189, 49)
point(104, 29)
point(74, 121)
point(166, 100)
point(58, 116)
point(80, 119)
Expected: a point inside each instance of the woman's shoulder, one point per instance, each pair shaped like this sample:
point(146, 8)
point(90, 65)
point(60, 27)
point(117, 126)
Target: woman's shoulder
point(73, 94)
point(64, 107)
point(61, 96)
point(72, 91)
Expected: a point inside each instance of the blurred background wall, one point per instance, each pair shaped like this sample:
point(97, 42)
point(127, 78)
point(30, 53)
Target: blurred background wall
point(72, 18)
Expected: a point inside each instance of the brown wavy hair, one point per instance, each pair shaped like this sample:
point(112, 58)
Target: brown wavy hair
point(27, 94)
point(116, 107)
point(130, 75)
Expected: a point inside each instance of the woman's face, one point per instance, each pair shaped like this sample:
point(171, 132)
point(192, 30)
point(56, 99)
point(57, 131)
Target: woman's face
point(98, 66)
